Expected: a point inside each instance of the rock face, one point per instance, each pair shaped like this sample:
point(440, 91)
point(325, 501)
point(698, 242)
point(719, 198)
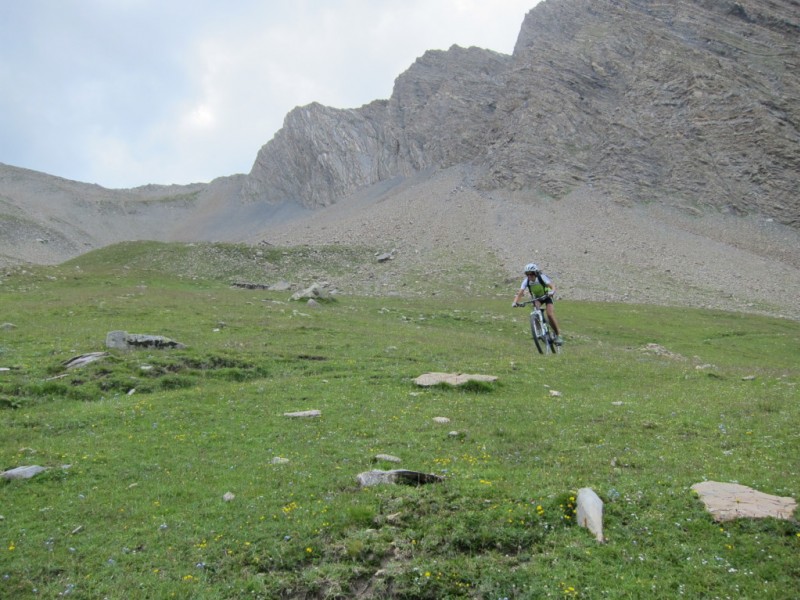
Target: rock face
point(691, 100)
point(437, 116)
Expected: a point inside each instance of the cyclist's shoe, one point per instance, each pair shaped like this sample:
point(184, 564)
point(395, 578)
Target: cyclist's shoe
point(558, 340)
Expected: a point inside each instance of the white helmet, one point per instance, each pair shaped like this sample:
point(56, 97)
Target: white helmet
point(531, 268)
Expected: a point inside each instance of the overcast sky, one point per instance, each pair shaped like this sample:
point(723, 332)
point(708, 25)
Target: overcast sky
point(128, 92)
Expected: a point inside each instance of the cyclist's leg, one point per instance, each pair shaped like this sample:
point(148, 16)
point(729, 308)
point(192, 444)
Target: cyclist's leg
point(551, 317)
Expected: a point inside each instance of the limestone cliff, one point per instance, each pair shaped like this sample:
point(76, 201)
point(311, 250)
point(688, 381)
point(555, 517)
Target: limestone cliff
point(692, 102)
point(438, 115)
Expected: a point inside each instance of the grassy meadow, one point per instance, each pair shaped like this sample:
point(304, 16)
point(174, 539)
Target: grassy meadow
point(143, 446)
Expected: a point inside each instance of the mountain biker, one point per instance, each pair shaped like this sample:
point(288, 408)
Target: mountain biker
point(538, 284)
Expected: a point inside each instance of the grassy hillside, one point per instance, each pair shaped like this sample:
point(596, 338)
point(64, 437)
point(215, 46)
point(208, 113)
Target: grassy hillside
point(142, 446)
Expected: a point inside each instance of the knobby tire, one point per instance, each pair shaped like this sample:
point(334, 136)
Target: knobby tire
point(538, 335)
point(551, 341)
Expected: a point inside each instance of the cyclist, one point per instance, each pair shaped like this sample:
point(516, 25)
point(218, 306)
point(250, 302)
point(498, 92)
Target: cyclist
point(538, 284)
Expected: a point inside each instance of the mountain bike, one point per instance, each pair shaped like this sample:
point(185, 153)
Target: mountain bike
point(544, 339)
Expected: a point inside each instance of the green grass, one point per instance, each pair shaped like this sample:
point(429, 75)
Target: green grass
point(155, 439)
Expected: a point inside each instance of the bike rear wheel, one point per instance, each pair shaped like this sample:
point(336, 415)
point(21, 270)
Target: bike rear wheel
point(537, 331)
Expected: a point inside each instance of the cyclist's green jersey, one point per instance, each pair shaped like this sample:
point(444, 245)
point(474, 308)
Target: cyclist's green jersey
point(535, 286)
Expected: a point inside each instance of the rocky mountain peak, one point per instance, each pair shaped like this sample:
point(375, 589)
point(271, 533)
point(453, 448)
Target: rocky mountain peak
point(437, 116)
point(691, 102)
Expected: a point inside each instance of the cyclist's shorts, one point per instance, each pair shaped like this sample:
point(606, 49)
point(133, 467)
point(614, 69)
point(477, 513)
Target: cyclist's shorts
point(548, 300)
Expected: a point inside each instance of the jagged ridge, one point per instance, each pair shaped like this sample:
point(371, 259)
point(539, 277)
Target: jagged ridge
point(690, 102)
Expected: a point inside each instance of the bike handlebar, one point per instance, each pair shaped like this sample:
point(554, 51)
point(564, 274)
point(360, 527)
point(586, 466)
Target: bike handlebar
point(534, 300)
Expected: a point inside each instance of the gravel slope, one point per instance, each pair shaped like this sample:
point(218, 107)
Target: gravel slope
point(592, 246)
point(441, 229)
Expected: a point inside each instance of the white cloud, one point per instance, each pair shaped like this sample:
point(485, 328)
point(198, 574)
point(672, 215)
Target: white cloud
point(130, 92)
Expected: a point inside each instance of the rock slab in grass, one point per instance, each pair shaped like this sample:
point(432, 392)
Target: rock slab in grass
point(23, 472)
point(122, 340)
point(303, 414)
point(388, 458)
point(590, 512)
point(729, 501)
point(314, 291)
point(84, 359)
point(378, 477)
point(429, 379)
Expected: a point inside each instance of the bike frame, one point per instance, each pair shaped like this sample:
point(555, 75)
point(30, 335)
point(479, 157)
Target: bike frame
point(540, 328)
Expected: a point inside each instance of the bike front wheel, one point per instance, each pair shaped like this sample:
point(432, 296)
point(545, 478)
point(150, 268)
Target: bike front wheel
point(537, 331)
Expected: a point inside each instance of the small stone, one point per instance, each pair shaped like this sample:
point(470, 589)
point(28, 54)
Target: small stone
point(280, 286)
point(555, 393)
point(387, 458)
point(394, 518)
point(441, 420)
point(228, 496)
point(279, 460)
point(84, 359)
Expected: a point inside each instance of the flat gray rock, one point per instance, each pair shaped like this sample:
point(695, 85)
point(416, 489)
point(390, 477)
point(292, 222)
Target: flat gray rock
point(84, 359)
point(729, 501)
point(378, 477)
point(314, 291)
point(23, 472)
point(303, 414)
point(429, 379)
point(122, 340)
